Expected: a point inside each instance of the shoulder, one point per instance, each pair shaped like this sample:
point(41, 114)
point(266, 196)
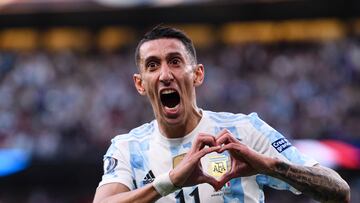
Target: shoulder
point(232, 118)
point(136, 134)
point(120, 143)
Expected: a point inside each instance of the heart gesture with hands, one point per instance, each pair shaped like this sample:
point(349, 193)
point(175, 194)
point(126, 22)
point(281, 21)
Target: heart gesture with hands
point(244, 161)
point(189, 171)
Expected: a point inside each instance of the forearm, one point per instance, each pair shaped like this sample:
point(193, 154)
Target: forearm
point(142, 195)
point(320, 183)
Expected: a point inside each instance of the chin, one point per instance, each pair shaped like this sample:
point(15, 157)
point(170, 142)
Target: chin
point(173, 121)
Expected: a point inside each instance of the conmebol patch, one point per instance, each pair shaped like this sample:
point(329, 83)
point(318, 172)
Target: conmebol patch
point(281, 144)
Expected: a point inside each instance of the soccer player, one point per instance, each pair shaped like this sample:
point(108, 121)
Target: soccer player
point(188, 154)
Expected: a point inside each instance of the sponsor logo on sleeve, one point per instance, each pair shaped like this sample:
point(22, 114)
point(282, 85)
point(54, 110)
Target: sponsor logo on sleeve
point(281, 144)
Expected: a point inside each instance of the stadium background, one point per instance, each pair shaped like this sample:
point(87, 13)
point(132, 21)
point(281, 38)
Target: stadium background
point(66, 87)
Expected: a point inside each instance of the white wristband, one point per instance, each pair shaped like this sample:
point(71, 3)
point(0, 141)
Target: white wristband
point(163, 185)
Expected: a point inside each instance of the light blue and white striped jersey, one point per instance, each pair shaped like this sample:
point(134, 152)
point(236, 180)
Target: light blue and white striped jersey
point(137, 158)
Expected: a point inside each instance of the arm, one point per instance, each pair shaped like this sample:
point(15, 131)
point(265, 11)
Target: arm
point(117, 192)
point(320, 183)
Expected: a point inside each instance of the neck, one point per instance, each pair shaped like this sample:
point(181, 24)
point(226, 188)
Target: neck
point(181, 129)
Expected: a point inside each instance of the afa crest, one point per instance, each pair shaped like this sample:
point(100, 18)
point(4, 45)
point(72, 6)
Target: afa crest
point(217, 165)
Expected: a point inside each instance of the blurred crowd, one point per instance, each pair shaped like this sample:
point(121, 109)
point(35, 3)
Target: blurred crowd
point(69, 104)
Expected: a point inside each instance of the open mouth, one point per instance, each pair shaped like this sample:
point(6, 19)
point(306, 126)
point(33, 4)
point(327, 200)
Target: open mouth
point(170, 98)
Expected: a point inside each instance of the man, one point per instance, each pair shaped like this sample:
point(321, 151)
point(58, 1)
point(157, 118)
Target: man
point(191, 155)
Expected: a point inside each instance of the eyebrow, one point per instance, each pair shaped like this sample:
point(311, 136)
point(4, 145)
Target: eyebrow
point(151, 58)
point(156, 58)
point(172, 54)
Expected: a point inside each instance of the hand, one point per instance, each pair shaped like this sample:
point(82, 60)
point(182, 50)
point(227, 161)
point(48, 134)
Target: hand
point(189, 171)
point(244, 160)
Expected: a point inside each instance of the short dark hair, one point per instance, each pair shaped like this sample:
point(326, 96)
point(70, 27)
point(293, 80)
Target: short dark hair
point(161, 31)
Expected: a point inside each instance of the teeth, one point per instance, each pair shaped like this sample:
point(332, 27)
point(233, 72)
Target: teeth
point(167, 91)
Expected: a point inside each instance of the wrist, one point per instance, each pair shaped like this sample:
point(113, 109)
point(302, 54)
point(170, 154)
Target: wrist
point(271, 166)
point(279, 167)
point(163, 184)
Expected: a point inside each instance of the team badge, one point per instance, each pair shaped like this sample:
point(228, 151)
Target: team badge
point(217, 165)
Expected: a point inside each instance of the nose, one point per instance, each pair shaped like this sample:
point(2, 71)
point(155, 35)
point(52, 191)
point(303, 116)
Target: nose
point(166, 75)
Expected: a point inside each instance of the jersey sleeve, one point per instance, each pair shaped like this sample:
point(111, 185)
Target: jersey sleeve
point(116, 165)
point(270, 142)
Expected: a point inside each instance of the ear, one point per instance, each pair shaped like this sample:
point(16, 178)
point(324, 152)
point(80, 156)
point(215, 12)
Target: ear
point(199, 75)
point(139, 84)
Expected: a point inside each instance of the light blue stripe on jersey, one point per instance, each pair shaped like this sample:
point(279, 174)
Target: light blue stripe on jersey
point(174, 150)
point(138, 147)
point(187, 145)
point(291, 153)
point(138, 140)
point(139, 157)
point(237, 192)
point(138, 153)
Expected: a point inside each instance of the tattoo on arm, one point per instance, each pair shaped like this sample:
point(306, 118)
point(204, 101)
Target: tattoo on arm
point(320, 183)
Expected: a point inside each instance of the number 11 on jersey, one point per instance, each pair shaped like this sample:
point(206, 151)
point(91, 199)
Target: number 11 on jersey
point(194, 194)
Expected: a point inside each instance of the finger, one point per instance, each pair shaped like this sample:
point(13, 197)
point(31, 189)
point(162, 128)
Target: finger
point(203, 140)
point(242, 153)
point(222, 132)
point(205, 151)
point(225, 139)
point(230, 147)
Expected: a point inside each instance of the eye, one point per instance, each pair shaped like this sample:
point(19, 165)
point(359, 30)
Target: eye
point(175, 61)
point(152, 65)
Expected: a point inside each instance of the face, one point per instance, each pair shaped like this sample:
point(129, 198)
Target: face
point(168, 76)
